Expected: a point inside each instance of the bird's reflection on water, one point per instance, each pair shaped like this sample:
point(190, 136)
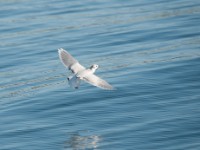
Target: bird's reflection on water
point(82, 140)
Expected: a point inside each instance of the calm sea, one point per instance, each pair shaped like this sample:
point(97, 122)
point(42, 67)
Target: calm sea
point(148, 50)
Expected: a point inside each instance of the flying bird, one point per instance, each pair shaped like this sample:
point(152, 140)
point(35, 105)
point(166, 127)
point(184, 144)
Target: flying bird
point(81, 73)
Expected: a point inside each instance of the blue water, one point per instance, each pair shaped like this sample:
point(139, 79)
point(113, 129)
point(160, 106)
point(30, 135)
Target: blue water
point(148, 50)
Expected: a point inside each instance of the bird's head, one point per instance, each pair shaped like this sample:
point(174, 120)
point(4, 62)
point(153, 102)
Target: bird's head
point(94, 67)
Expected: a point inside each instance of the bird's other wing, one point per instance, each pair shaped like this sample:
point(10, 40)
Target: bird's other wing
point(74, 82)
point(70, 62)
point(96, 81)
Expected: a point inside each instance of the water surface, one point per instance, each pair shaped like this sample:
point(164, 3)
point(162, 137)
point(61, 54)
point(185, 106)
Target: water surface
point(148, 50)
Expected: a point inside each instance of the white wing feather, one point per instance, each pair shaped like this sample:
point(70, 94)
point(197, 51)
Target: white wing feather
point(96, 81)
point(70, 62)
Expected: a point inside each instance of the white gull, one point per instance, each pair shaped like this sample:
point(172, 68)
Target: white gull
point(81, 73)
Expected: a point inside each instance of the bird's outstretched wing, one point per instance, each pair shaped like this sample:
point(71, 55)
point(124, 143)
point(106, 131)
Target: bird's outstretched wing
point(70, 62)
point(96, 81)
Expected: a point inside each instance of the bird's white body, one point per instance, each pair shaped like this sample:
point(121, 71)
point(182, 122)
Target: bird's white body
point(74, 81)
point(80, 73)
